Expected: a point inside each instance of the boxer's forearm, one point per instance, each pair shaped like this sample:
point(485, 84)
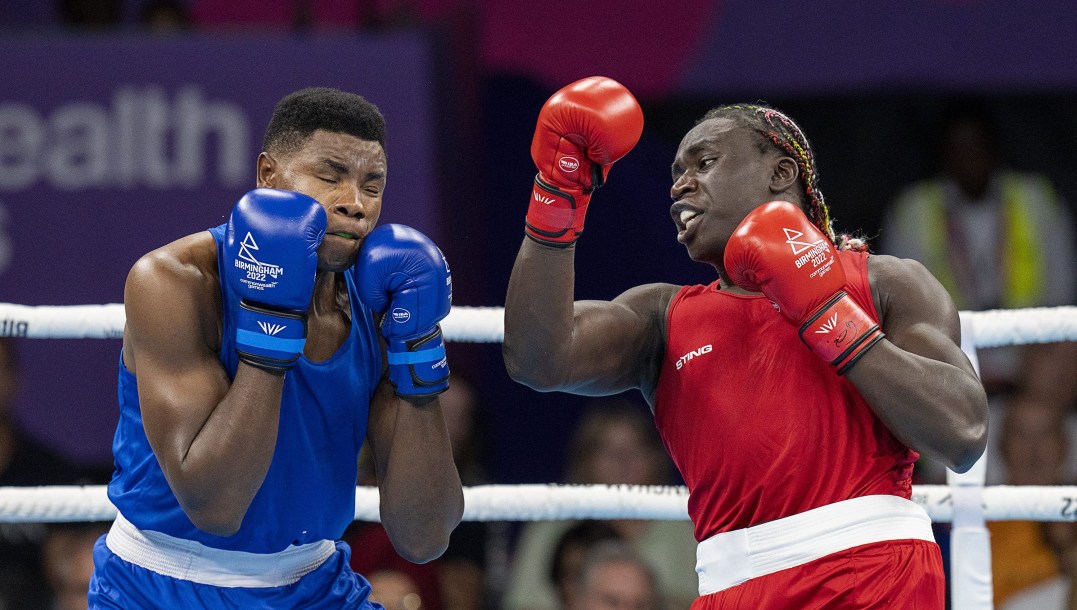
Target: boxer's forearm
point(917, 380)
point(933, 407)
point(219, 469)
point(421, 499)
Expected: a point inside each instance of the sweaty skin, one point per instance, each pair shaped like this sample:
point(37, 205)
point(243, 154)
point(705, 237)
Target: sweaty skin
point(215, 439)
point(916, 380)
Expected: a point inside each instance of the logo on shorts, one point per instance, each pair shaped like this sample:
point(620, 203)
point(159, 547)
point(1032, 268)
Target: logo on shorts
point(568, 164)
point(401, 315)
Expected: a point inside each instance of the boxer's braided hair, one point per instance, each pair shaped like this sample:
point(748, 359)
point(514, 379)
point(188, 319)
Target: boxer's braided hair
point(779, 130)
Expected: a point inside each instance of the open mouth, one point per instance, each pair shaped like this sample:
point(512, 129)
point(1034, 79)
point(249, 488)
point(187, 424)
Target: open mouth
point(688, 218)
point(684, 215)
point(345, 235)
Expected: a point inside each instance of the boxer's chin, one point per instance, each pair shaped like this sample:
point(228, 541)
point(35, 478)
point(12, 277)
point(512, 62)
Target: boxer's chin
point(337, 254)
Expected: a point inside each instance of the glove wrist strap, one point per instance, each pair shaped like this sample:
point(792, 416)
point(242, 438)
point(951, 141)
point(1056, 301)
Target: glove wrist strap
point(270, 339)
point(555, 216)
point(418, 366)
point(840, 332)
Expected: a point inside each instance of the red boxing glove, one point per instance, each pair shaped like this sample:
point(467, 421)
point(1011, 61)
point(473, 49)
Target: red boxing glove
point(582, 130)
point(776, 250)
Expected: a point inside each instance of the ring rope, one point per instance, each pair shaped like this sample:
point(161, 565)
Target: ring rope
point(557, 502)
point(993, 328)
point(965, 502)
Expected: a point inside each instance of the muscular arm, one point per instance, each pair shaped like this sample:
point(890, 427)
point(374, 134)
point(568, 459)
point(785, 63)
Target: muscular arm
point(585, 347)
point(917, 380)
point(421, 497)
point(214, 439)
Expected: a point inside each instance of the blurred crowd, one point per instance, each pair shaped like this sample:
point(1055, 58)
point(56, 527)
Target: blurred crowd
point(999, 238)
point(178, 15)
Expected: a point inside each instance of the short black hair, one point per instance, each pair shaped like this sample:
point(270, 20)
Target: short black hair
point(583, 535)
point(961, 110)
point(303, 112)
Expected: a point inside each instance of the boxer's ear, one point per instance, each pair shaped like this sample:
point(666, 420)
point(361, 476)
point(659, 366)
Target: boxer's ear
point(785, 173)
point(267, 171)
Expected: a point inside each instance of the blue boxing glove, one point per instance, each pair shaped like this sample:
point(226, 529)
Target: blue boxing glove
point(271, 256)
point(401, 273)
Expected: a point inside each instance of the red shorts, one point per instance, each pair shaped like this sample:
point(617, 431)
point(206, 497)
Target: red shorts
point(892, 575)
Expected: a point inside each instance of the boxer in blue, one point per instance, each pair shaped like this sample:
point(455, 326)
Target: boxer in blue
point(257, 357)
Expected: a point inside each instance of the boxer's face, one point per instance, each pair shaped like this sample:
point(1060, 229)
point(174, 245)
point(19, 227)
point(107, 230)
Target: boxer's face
point(720, 174)
point(346, 175)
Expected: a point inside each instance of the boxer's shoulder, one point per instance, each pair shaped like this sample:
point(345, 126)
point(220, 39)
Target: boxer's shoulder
point(190, 260)
point(178, 281)
point(650, 302)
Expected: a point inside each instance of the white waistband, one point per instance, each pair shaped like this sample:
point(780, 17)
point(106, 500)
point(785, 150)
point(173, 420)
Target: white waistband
point(731, 558)
point(196, 562)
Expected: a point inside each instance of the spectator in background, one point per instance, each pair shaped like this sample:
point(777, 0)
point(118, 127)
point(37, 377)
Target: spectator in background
point(462, 578)
point(396, 591)
point(995, 238)
point(164, 16)
point(471, 569)
point(613, 577)
point(1056, 593)
point(305, 14)
point(1033, 446)
point(569, 554)
point(615, 443)
point(68, 562)
point(23, 462)
point(91, 14)
point(397, 578)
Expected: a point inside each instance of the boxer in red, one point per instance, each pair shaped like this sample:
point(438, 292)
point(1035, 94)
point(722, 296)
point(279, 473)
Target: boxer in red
point(794, 392)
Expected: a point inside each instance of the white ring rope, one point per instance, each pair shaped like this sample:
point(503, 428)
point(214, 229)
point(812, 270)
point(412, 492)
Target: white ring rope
point(464, 324)
point(556, 502)
point(993, 328)
point(970, 547)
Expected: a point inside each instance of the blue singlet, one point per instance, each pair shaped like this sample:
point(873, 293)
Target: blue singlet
point(309, 491)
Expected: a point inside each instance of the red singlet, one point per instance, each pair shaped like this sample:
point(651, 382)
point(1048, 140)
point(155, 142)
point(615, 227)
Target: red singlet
point(759, 427)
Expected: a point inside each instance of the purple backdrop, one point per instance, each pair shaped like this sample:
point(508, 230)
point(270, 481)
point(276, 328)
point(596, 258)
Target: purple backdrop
point(110, 147)
point(770, 47)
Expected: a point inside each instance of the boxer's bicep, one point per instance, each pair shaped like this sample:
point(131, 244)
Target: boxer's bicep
point(616, 344)
point(180, 378)
point(915, 310)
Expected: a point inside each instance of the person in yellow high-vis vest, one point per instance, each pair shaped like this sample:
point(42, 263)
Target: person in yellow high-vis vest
point(996, 238)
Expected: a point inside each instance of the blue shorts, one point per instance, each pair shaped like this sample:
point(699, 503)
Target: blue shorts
point(117, 584)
